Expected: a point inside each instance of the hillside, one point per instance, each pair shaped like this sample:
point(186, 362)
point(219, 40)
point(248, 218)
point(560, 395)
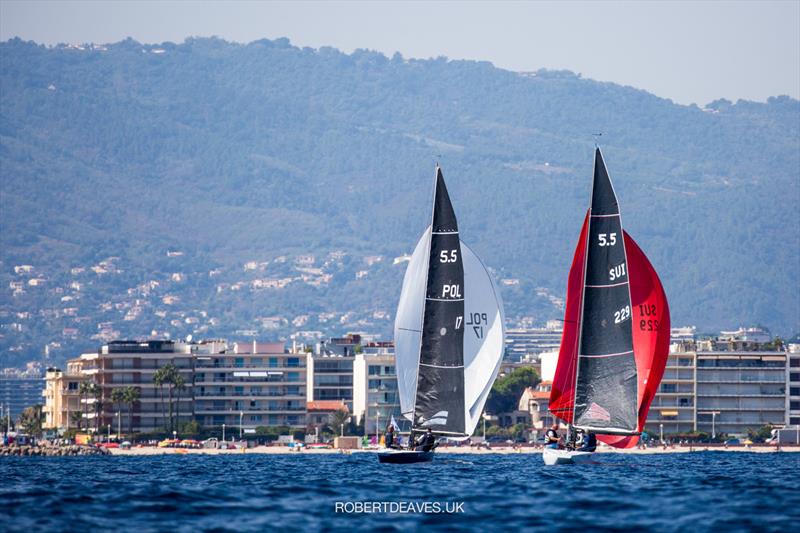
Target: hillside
point(186, 162)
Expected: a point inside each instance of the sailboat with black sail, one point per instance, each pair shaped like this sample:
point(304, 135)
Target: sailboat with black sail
point(616, 331)
point(449, 333)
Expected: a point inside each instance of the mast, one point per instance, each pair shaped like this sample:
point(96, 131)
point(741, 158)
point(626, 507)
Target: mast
point(606, 375)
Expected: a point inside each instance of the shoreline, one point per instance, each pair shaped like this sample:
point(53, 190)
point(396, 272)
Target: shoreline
point(282, 450)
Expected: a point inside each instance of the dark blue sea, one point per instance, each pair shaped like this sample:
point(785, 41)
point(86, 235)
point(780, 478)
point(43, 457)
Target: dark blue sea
point(704, 491)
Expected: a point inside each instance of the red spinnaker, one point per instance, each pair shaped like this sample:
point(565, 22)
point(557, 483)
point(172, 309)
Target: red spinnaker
point(562, 395)
point(651, 327)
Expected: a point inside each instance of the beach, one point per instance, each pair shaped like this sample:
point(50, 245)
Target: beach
point(505, 450)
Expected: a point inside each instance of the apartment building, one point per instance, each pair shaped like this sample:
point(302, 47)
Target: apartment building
point(375, 394)
point(121, 364)
point(794, 384)
point(673, 408)
point(330, 370)
point(61, 397)
point(524, 344)
point(729, 384)
point(17, 393)
point(250, 384)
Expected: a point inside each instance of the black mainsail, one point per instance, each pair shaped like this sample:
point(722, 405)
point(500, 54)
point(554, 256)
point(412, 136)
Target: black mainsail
point(606, 377)
point(439, 400)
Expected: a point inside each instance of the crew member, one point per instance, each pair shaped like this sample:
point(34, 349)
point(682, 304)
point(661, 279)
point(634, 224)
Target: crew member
point(426, 442)
point(389, 439)
point(589, 442)
point(551, 437)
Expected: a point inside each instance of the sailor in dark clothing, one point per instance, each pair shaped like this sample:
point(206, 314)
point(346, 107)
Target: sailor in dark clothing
point(551, 438)
point(426, 442)
point(389, 439)
point(589, 442)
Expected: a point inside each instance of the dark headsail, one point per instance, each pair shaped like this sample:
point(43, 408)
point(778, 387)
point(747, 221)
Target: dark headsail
point(439, 401)
point(606, 378)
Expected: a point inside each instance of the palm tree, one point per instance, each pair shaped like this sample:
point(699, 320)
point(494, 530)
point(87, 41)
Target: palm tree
point(97, 391)
point(77, 418)
point(166, 375)
point(118, 398)
point(130, 396)
point(158, 379)
point(180, 385)
point(339, 418)
point(30, 420)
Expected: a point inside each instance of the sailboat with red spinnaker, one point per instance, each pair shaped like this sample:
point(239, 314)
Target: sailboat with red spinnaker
point(615, 342)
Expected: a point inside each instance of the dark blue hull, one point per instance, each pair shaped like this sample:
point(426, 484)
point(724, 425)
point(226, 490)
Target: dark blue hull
point(405, 457)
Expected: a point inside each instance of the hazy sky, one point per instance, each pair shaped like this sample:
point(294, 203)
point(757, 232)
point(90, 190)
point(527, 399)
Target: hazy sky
point(686, 51)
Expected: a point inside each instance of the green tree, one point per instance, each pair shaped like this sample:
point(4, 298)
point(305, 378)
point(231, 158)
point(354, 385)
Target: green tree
point(117, 398)
point(506, 391)
point(130, 396)
point(159, 379)
point(76, 417)
point(761, 434)
point(30, 420)
point(338, 418)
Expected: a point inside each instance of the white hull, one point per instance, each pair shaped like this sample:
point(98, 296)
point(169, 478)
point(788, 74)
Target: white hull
point(565, 457)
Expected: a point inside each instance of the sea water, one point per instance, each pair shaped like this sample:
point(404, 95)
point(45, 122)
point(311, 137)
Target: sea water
point(702, 491)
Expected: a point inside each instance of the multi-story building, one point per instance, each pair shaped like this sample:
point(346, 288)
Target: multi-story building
point(725, 385)
point(526, 343)
point(61, 396)
point(536, 402)
point(330, 370)
point(375, 394)
point(794, 384)
point(673, 408)
point(121, 364)
point(17, 393)
point(252, 384)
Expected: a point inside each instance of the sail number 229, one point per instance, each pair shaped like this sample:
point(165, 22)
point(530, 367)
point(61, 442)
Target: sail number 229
point(622, 315)
point(607, 239)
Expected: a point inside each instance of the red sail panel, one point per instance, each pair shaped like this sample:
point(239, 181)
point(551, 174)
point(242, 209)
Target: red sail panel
point(562, 395)
point(651, 329)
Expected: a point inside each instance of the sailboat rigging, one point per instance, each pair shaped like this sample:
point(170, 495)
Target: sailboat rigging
point(616, 328)
point(449, 332)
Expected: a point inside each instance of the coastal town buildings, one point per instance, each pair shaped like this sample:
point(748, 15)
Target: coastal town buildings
point(20, 390)
point(122, 364)
point(728, 384)
point(61, 398)
point(536, 401)
point(794, 384)
point(736, 382)
point(330, 370)
point(375, 393)
point(250, 384)
point(524, 344)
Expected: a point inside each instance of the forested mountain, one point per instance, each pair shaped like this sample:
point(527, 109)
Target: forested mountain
point(187, 161)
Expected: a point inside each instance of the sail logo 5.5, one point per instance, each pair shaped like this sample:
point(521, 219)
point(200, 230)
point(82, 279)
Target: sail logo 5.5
point(595, 412)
